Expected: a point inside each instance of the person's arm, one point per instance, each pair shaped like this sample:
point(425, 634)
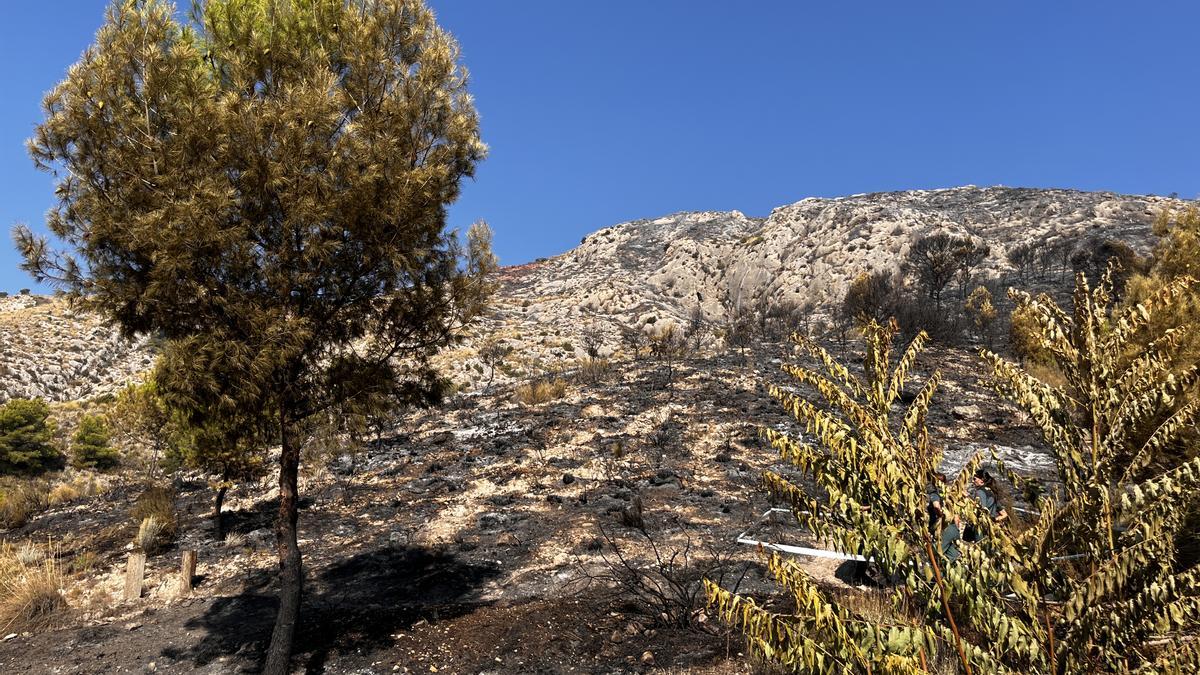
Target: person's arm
point(1002, 516)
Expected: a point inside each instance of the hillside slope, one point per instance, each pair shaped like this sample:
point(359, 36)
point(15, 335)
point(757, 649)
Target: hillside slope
point(650, 273)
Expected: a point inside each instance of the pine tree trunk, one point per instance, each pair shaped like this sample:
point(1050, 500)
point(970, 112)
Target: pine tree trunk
point(279, 654)
point(218, 521)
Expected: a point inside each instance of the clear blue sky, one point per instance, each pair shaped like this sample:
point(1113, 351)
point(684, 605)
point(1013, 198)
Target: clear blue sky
point(599, 112)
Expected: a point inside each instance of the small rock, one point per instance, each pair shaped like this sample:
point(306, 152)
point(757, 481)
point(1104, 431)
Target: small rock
point(554, 499)
point(647, 658)
point(567, 479)
point(260, 538)
point(492, 520)
point(132, 626)
point(965, 412)
point(617, 637)
point(663, 477)
point(508, 539)
point(501, 500)
point(10, 636)
point(592, 411)
point(343, 465)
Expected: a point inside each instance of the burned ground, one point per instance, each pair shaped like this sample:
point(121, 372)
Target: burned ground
point(480, 537)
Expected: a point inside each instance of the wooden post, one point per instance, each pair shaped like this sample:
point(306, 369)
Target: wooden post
point(134, 574)
point(187, 572)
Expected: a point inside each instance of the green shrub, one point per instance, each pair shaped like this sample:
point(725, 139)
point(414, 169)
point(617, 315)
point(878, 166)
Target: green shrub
point(90, 445)
point(25, 433)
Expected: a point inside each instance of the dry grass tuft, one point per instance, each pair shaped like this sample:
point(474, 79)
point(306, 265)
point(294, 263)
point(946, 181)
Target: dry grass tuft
point(541, 391)
point(81, 485)
point(20, 500)
point(61, 494)
point(31, 589)
point(159, 503)
point(154, 512)
point(28, 553)
point(149, 536)
point(593, 370)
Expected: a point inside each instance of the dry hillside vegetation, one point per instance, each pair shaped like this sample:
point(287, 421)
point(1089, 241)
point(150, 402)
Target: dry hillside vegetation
point(486, 536)
point(559, 513)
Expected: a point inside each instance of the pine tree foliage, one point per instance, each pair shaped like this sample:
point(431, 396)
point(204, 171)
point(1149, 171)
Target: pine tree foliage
point(91, 445)
point(936, 259)
point(265, 186)
point(26, 432)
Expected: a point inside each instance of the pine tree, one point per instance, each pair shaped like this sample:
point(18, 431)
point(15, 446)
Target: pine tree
point(870, 297)
point(936, 259)
point(140, 417)
point(264, 185)
point(91, 445)
point(229, 448)
point(25, 435)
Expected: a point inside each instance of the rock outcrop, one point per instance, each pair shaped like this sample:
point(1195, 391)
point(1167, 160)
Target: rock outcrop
point(650, 274)
point(49, 351)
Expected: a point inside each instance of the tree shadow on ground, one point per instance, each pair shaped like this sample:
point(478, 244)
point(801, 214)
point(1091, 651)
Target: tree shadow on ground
point(260, 516)
point(358, 603)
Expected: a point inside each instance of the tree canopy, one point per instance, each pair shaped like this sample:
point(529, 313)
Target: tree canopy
point(25, 435)
point(90, 445)
point(265, 185)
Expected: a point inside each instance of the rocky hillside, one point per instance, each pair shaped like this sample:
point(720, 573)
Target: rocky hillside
point(49, 351)
point(651, 273)
point(807, 251)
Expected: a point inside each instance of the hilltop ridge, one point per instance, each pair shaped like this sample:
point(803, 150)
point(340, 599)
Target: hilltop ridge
point(651, 273)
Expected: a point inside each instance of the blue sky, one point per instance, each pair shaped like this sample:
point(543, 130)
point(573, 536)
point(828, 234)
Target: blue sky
point(599, 112)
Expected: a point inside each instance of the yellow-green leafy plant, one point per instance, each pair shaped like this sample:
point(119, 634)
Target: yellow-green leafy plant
point(1053, 598)
point(982, 312)
point(872, 465)
point(1175, 255)
point(1110, 426)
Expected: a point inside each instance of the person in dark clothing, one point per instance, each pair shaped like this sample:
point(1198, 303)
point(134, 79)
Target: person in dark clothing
point(934, 508)
point(983, 489)
point(946, 530)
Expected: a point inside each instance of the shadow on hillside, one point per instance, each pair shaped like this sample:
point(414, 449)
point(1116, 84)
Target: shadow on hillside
point(260, 516)
point(356, 604)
